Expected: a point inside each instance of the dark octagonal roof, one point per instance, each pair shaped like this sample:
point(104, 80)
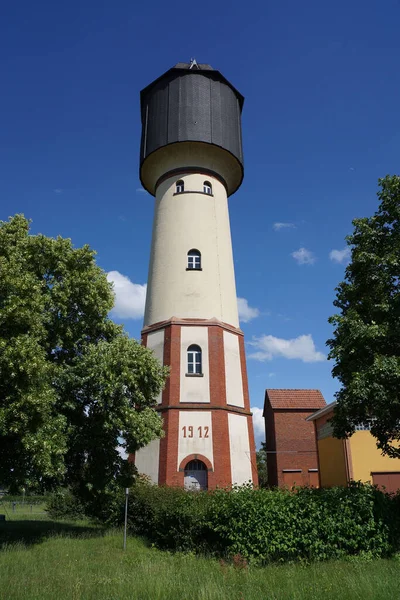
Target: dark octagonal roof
point(200, 68)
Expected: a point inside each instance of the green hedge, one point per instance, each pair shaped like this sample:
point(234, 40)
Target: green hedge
point(62, 504)
point(267, 525)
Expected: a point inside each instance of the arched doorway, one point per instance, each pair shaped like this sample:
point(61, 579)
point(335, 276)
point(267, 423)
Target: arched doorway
point(195, 475)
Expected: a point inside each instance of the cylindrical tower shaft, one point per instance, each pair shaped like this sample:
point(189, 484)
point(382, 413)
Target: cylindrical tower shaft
point(188, 220)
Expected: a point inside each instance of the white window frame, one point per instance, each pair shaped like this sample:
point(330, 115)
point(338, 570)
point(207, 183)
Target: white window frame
point(194, 360)
point(207, 188)
point(180, 187)
point(194, 260)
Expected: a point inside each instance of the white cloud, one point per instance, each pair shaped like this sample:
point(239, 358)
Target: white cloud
point(58, 191)
point(130, 297)
point(259, 425)
point(141, 190)
point(340, 256)
point(279, 226)
point(304, 256)
point(301, 348)
point(246, 312)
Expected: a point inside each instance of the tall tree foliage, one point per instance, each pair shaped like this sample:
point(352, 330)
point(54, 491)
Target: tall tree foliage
point(71, 381)
point(366, 341)
point(261, 457)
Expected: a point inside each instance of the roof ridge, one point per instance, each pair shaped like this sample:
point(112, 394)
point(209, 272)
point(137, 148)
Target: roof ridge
point(293, 389)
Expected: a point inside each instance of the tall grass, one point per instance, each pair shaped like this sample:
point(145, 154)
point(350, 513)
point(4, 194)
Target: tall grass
point(45, 560)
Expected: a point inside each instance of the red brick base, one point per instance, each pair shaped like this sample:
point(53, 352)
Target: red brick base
point(219, 473)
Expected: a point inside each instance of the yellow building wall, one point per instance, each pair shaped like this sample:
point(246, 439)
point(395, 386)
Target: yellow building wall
point(332, 462)
point(367, 458)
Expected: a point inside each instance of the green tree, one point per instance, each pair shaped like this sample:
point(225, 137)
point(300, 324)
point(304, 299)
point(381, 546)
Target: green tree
point(72, 383)
point(261, 457)
point(366, 340)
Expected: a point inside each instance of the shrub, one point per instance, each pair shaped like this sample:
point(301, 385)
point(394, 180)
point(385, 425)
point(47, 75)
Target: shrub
point(169, 517)
point(62, 504)
point(268, 525)
point(314, 524)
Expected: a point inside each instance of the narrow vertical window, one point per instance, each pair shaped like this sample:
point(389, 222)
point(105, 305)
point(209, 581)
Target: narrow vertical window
point(180, 186)
point(194, 260)
point(207, 189)
point(194, 360)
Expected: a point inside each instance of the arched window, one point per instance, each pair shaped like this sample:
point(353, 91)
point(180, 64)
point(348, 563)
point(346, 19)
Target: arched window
point(195, 476)
point(194, 259)
point(207, 188)
point(194, 366)
point(180, 186)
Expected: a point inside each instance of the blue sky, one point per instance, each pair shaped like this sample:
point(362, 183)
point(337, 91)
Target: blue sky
point(320, 126)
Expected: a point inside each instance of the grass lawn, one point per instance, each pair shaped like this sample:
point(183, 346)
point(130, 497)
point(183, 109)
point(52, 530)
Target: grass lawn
point(43, 559)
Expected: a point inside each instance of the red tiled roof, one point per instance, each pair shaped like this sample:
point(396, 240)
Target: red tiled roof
point(295, 399)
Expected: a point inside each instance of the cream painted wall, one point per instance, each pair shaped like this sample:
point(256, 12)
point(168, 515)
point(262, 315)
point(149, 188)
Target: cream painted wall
point(183, 222)
point(233, 370)
point(187, 154)
point(194, 389)
point(155, 341)
point(332, 462)
point(147, 460)
point(195, 435)
point(367, 458)
point(240, 449)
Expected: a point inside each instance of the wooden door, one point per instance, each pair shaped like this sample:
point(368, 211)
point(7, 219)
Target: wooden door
point(195, 476)
point(387, 481)
point(292, 478)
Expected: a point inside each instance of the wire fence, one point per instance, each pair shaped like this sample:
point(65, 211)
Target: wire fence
point(25, 508)
point(23, 498)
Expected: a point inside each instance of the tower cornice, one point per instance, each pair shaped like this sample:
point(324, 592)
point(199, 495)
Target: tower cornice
point(191, 323)
point(206, 407)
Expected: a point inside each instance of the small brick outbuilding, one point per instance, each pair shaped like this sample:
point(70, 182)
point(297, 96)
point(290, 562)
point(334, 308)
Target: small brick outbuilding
point(290, 439)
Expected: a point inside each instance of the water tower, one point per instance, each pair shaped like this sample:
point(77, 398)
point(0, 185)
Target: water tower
point(191, 160)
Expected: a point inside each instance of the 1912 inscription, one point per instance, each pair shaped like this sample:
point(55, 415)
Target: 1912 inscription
point(190, 431)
